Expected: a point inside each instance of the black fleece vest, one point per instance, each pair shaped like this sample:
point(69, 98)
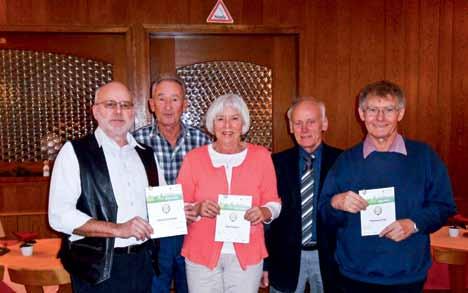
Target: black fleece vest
point(90, 258)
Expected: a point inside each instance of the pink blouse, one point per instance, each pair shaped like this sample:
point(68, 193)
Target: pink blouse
point(200, 181)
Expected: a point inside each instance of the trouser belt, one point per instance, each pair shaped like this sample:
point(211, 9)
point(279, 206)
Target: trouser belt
point(131, 248)
point(309, 247)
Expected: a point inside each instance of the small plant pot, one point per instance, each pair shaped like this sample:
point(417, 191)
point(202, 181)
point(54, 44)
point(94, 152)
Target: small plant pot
point(453, 231)
point(26, 250)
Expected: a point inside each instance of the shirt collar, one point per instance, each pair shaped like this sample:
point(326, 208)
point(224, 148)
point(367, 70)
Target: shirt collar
point(303, 153)
point(397, 146)
point(103, 138)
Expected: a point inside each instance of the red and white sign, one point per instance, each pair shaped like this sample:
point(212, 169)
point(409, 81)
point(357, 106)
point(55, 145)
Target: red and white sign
point(220, 14)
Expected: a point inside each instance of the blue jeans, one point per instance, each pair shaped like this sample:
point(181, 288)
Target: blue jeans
point(171, 266)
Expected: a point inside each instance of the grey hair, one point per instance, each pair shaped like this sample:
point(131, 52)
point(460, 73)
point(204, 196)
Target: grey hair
point(382, 88)
point(169, 77)
point(300, 100)
point(221, 103)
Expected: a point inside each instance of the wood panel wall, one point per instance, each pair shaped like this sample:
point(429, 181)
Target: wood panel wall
point(420, 44)
point(23, 206)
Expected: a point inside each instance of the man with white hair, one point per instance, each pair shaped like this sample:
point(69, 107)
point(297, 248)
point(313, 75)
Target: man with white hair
point(296, 240)
point(385, 174)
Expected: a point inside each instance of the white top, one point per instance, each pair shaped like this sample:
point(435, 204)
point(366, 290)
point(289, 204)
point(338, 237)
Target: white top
point(228, 161)
point(127, 176)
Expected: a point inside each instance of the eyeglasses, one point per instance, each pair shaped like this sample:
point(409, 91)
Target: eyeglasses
point(112, 105)
point(386, 111)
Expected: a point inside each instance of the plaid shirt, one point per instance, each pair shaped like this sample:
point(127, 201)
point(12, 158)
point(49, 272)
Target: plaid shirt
point(171, 159)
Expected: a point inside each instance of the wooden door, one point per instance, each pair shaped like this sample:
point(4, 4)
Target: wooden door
point(268, 60)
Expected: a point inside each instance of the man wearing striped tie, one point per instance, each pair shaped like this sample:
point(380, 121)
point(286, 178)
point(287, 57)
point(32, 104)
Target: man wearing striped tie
point(300, 250)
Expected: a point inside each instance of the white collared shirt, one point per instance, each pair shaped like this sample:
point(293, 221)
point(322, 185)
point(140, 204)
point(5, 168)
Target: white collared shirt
point(128, 180)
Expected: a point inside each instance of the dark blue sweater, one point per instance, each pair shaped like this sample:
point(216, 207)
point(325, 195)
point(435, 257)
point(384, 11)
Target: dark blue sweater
point(422, 193)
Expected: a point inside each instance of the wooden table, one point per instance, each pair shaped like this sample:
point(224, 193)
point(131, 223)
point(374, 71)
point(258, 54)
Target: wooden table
point(44, 257)
point(454, 252)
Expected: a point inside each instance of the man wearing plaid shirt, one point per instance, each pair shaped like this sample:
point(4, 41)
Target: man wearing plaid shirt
point(170, 139)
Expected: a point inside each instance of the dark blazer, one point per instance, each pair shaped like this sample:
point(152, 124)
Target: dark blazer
point(284, 236)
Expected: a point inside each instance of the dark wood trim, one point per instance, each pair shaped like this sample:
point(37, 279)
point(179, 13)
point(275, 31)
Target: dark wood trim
point(130, 50)
point(142, 74)
point(175, 30)
point(64, 29)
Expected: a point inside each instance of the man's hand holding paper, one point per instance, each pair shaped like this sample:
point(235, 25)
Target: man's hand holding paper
point(166, 211)
point(231, 225)
point(349, 201)
point(398, 230)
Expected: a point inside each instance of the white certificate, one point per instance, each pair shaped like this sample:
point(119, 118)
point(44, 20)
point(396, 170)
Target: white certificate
point(166, 210)
point(380, 212)
point(230, 223)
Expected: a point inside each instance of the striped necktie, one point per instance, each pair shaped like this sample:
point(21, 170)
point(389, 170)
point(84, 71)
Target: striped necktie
point(307, 196)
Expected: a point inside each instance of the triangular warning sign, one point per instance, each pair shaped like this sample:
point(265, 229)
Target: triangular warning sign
point(220, 14)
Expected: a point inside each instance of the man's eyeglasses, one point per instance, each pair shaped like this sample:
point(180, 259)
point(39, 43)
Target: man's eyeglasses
point(112, 105)
point(386, 111)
